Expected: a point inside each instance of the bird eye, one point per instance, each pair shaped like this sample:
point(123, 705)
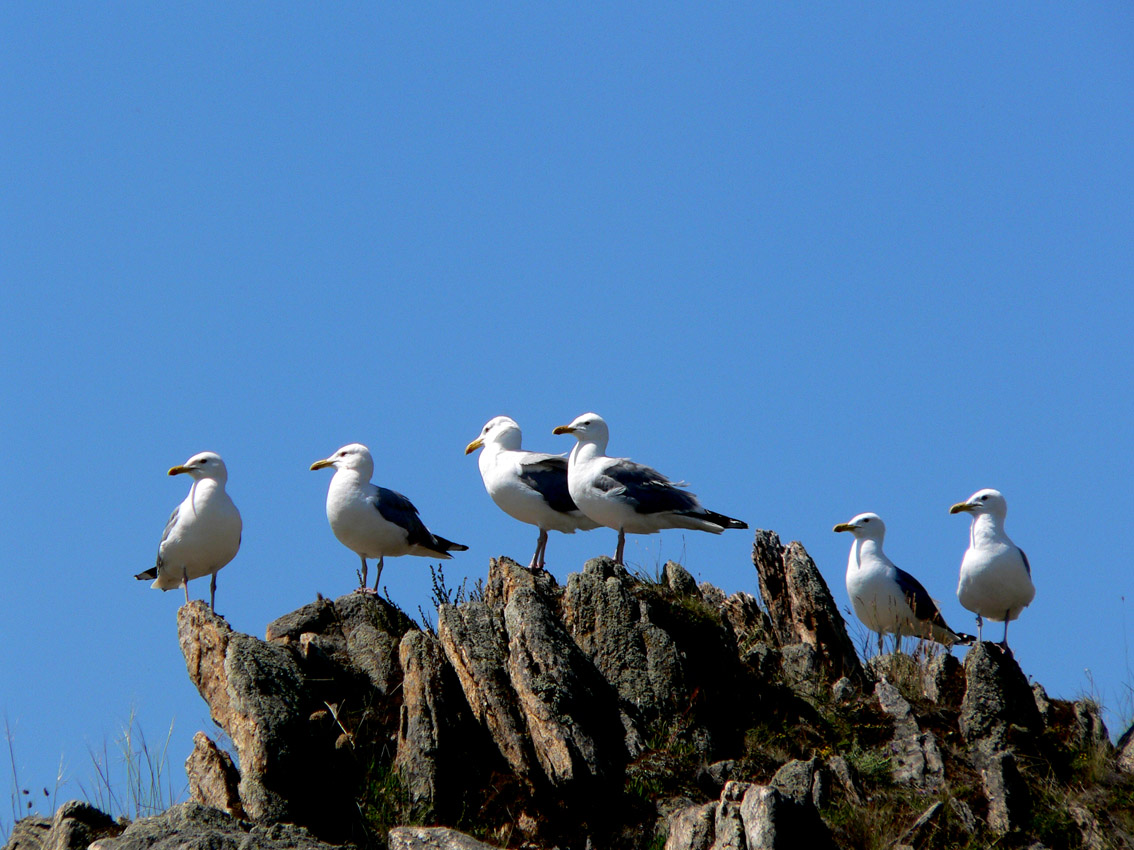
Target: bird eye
point(984, 498)
point(866, 520)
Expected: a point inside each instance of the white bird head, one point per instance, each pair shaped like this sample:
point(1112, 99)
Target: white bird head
point(501, 431)
point(355, 457)
point(985, 501)
point(203, 465)
point(866, 526)
point(588, 428)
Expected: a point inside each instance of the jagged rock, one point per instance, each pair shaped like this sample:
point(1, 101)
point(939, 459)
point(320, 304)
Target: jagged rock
point(678, 579)
point(774, 821)
point(433, 752)
point(843, 690)
point(433, 838)
point(997, 697)
point(690, 828)
point(258, 695)
point(317, 617)
point(1043, 703)
point(916, 757)
point(944, 680)
point(801, 668)
point(1009, 801)
point(1090, 730)
point(844, 774)
point(213, 778)
point(914, 834)
point(73, 827)
point(712, 777)
point(963, 815)
point(728, 827)
point(570, 710)
point(801, 607)
point(1094, 836)
point(807, 782)
point(191, 826)
point(1124, 755)
point(613, 627)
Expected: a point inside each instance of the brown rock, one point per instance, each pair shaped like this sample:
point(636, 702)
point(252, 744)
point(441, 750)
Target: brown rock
point(213, 778)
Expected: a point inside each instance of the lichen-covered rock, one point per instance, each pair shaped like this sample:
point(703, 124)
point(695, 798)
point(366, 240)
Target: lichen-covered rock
point(801, 607)
point(997, 699)
point(916, 756)
point(690, 828)
point(191, 826)
point(774, 821)
point(73, 827)
point(433, 838)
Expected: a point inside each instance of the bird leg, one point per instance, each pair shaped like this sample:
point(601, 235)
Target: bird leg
point(537, 558)
point(979, 626)
point(378, 574)
point(185, 582)
point(881, 637)
point(1004, 643)
point(621, 546)
point(362, 575)
point(213, 594)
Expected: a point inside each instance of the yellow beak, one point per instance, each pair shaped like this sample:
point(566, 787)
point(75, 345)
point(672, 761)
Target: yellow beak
point(960, 506)
point(177, 470)
point(474, 445)
point(564, 429)
point(844, 526)
point(322, 464)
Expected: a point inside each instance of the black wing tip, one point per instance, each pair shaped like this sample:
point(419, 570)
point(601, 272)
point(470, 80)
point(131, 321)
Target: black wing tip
point(964, 639)
point(458, 547)
point(148, 575)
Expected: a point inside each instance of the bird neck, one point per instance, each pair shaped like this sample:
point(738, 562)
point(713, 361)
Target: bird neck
point(986, 529)
point(866, 547)
point(585, 451)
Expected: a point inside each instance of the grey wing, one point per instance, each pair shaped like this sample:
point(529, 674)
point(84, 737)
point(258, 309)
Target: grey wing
point(169, 525)
point(547, 475)
point(646, 489)
point(924, 608)
point(1027, 566)
point(396, 508)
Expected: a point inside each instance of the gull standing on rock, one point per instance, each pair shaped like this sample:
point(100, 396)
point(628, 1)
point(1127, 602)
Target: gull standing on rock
point(886, 598)
point(203, 532)
point(627, 496)
point(996, 578)
point(528, 486)
point(374, 522)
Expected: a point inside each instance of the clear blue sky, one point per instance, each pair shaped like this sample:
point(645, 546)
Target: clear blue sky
point(813, 259)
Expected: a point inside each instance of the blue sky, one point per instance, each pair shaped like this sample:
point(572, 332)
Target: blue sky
point(814, 260)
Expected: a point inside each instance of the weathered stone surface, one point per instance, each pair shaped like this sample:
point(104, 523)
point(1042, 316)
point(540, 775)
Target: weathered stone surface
point(728, 826)
point(1009, 802)
point(774, 821)
point(570, 710)
point(434, 732)
point(997, 697)
point(807, 782)
point(613, 627)
point(1124, 755)
point(191, 826)
point(944, 680)
point(924, 822)
point(801, 608)
point(433, 838)
point(846, 779)
point(213, 778)
point(916, 756)
point(73, 827)
point(476, 645)
point(691, 828)
point(317, 617)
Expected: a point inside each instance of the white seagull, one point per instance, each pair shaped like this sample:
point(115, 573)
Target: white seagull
point(627, 496)
point(886, 598)
point(203, 532)
point(996, 578)
point(528, 486)
point(374, 522)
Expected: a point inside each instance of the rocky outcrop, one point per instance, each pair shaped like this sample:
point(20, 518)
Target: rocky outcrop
point(609, 712)
point(801, 608)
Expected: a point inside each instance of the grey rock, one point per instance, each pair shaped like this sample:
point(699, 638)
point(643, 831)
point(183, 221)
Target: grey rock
point(712, 778)
point(318, 617)
point(963, 815)
point(728, 826)
point(678, 579)
point(691, 828)
point(191, 826)
point(1124, 755)
point(997, 697)
point(476, 644)
point(801, 669)
point(774, 821)
point(847, 779)
point(806, 782)
point(213, 778)
point(432, 758)
point(801, 608)
point(433, 838)
point(916, 756)
point(1090, 730)
point(843, 690)
point(73, 827)
point(1009, 801)
point(945, 680)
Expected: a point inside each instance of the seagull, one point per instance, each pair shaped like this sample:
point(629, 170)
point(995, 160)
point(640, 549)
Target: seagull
point(203, 532)
point(528, 486)
point(372, 521)
point(627, 496)
point(996, 578)
point(886, 598)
